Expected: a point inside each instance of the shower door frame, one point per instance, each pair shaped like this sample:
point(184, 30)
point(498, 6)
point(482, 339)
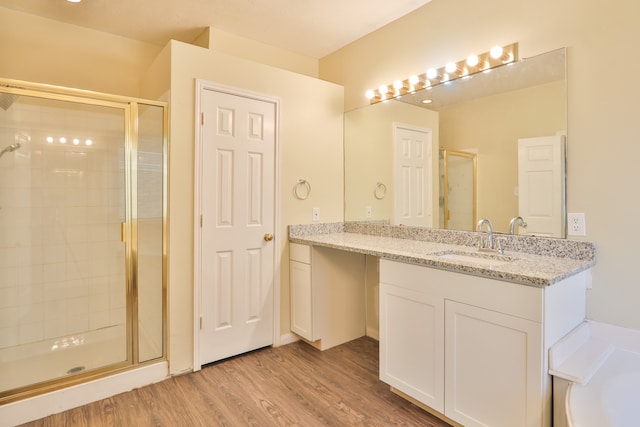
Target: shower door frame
point(129, 228)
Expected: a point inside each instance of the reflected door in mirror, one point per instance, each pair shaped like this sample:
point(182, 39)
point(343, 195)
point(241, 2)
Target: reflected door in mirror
point(413, 170)
point(541, 185)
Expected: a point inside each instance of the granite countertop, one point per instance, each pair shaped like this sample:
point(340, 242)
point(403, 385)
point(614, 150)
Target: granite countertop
point(517, 267)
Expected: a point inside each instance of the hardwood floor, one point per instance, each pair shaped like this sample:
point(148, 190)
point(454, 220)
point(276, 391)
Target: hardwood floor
point(293, 385)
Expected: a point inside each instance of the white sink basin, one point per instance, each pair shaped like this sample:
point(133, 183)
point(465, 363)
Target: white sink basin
point(479, 259)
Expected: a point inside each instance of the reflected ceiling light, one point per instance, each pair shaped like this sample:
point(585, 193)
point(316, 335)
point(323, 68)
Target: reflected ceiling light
point(496, 57)
point(473, 60)
point(501, 54)
point(496, 52)
point(451, 67)
point(427, 101)
point(74, 1)
point(413, 82)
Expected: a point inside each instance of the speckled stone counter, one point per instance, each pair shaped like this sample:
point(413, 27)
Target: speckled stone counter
point(532, 261)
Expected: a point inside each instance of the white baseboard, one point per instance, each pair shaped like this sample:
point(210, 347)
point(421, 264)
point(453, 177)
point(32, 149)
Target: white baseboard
point(373, 333)
point(288, 338)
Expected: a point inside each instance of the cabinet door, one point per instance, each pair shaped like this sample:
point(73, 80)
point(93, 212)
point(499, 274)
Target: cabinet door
point(301, 308)
point(493, 370)
point(412, 344)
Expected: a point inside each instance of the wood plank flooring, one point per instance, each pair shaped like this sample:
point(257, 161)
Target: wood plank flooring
point(293, 385)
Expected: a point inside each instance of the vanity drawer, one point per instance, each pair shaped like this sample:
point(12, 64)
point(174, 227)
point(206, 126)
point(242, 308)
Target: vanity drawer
point(300, 253)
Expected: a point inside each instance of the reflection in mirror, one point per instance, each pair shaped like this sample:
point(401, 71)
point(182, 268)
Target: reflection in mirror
point(484, 117)
point(458, 189)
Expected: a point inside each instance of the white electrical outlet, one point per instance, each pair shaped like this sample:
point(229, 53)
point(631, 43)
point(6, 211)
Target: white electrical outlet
point(315, 216)
point(368, 211)
point(576, 224)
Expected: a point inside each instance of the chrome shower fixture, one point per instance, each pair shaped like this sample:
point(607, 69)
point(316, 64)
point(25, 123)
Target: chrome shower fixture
point(9, 149)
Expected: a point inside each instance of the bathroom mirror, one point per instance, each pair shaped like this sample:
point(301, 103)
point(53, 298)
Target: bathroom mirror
point(485, 116)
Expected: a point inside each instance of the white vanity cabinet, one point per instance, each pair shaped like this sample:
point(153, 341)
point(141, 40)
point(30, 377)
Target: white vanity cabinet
point(301, 292)
point(494, 369)
point(471, 348)
point(327, 295)
point(412, 342)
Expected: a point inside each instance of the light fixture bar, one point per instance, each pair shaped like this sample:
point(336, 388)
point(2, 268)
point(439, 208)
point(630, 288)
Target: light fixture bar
point(496, 57)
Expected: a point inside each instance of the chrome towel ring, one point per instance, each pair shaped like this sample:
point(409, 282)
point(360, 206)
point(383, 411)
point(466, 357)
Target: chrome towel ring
point(380, 191)
point(302, 189)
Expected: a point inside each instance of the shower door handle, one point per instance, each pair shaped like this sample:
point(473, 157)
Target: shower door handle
point(123, 232)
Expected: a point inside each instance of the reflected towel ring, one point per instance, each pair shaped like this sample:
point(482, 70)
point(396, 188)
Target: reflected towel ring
point(302, 189)
point(380, 191)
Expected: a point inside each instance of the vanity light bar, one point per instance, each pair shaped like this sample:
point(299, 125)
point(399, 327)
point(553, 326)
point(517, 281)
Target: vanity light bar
point(496, 57)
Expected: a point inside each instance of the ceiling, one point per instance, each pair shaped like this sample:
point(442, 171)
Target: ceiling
point(314, 28)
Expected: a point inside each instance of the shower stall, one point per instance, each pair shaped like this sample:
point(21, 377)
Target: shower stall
point(82, 236)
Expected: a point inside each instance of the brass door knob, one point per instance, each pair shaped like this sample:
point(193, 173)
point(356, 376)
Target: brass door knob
point(268, 237)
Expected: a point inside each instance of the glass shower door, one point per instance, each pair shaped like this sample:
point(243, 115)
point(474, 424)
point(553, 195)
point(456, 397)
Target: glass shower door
point(458, 189)
point(63, 254)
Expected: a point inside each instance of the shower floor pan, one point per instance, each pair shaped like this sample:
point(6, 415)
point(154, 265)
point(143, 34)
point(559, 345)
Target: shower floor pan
point(33, 363)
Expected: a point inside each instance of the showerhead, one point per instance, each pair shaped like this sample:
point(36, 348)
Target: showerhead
point(9, 149)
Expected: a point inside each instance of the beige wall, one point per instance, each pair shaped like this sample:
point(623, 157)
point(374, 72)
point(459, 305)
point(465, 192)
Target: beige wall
point(40, 50)
point(603, 149)
point(253, 50)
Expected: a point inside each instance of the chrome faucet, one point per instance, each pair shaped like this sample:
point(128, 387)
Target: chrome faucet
point(512, 224)
point(481, 245)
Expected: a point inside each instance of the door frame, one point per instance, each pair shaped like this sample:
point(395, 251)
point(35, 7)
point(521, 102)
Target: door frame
point(201, 86)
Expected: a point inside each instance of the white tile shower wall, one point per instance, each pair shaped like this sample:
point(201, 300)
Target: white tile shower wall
point(62, 265)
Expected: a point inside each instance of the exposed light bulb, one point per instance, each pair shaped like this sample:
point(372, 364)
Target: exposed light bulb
point(76, 141)
point(496, 52)
point(63, 140)
point(49, 139)
point(447, 74)
point(88, 142)
point(451, 67)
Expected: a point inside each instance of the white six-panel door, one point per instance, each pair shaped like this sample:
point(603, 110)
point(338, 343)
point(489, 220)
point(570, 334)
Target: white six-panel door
point(412, 176)
point(541, 185)
point(237, 201)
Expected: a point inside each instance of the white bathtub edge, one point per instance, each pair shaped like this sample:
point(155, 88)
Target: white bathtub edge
point(33, 408)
